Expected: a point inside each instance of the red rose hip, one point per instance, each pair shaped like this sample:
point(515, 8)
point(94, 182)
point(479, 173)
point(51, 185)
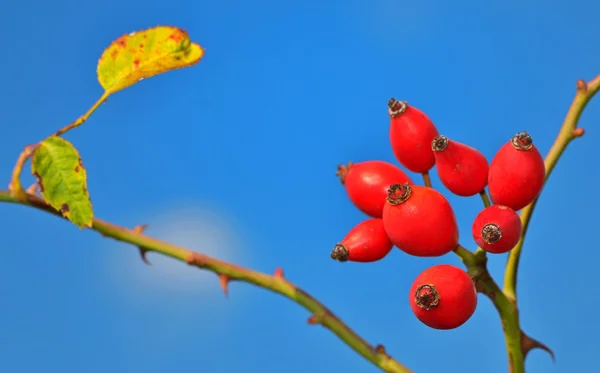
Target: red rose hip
point(443, 297)
point(420, 221)
point(461, 168)
point(367, 183)
point(411, 133)
point(517, 173)
point(366, 242)
point(497, 229)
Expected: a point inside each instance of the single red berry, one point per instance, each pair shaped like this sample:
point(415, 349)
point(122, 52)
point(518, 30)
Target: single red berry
point(420, 221)
point(517, 172)
point(366, 242)
point(461, 168)
point(443, 297)
point(497, 229)
point(367, 184)
point(411, 133)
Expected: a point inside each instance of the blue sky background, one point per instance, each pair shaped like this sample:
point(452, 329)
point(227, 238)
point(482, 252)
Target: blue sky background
point(236, 157)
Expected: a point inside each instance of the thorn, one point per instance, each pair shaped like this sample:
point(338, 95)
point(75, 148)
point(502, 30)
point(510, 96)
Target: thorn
point(224, 280)
point(582, 85)
point(140, 228)
point(379, 349)
point(33, 188)
point(578, 132)
point(313, 320)
point(316, 318)
point(278, 273)
point(528, 344)
point(143, 255)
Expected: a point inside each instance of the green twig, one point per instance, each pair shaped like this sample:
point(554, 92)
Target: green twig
point(226, 271)
point(84, 117)
point(568, 132)
point(15, 187)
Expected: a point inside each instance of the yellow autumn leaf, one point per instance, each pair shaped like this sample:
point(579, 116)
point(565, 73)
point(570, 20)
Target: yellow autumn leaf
point(143, 54)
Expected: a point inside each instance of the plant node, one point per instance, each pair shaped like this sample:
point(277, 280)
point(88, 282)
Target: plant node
point(342, 171)
point(340, 253)
point(439, 144)
point(396, 107)
point(491, 233)
point(427, 297)
point(522, 141)
point(399, 193)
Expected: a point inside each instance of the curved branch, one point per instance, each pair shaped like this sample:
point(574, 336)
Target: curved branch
point(568, 132)
point(227, 272)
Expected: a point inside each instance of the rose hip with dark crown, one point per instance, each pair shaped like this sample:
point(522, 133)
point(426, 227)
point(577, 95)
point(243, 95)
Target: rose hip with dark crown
point(461, 168)
point(411, 133)
point(443, 297)
point(420, 221)
point(367, 183)
point(497, 229)
point(366, 242)
point(517, 173)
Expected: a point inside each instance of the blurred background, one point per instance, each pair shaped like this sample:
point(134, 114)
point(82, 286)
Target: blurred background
point(236, 157)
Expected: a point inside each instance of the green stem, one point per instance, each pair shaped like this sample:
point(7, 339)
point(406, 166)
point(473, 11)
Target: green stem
point(476, 264)
point(427, 179)
point(486, 203)
point(84, 117)
point(568, 132)
point(509, 316)
point(276, 283)
point(484, 197)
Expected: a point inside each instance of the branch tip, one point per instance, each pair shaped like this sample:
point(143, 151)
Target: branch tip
point(224, 281)
point(278, 273)
point(582, 85)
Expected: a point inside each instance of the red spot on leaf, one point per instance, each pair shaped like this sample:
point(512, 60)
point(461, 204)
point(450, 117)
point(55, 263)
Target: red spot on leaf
point(176, 36)
point(114, 54)
point(122, 41)
point(136, 63)
point(141, 45)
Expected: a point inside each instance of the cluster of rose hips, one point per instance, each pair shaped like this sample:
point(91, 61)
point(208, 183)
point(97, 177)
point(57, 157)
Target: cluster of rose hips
point(420, 221)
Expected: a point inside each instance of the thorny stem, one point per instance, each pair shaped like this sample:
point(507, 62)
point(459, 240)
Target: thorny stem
point(276, 283)
point(84, 117)
point(518, 343)
point(426, 179)
point(476, 264)
point(568, 132)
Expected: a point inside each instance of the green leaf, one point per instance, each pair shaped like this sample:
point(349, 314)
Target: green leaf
point(63, 180)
